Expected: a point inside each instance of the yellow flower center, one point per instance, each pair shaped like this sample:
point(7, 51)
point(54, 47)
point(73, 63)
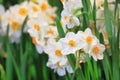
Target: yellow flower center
point(34, 40)
point(89, 39)
point(62, 1)
point(71, 20)
point(15, 25)
point(52, 17)
point(36, 27)
point(96, 49)
point(65, 17)
point(50, 31)
point(35, 8)
point(23, 11)
point(58, 53)
point(71, 43)
point(43, 6)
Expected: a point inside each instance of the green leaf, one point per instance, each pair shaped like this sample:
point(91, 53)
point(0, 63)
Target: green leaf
point(116, 7)
point(115, 56)
point(106, 66)
point(72, 60)
point(11, 61)
point(2, 73)
point(44, 69)
point(59, 28)
point(108, 20)
point(79, 74)
point(1, 1)
point(89, 66)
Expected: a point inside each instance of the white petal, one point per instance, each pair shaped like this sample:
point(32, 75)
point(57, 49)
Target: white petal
point(67, 51)
point(69, 69)
point(94, 57)
point(61, 71)
point(39, 48)
point(102, 47)
point(2, 9)
point(88, 31)
point(70, 34)
point(76, 20)
point(100, 56)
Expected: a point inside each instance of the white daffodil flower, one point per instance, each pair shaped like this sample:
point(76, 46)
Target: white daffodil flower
point(97, 51)
point(36, 30)
point(68, 20)
point(72, 22)
point(57, 60)
point(23, 9)
point(54, 50)
point(68, 17)
point(15, 24)
point(71, 43)
point(87, 38)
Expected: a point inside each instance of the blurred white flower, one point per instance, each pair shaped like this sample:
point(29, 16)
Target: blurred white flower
point(68, 15)
point(2, 11)
point(15, 16)
point(36, 30)
point(68, 20)
point(98, 3)
point(41, 27)
point(15, 23)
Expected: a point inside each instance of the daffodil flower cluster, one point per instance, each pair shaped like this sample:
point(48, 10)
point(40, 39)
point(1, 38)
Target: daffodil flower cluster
point(15, 16)
point(42, 29)
point(85, 41)
point(71, 44)
point(57, 60)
